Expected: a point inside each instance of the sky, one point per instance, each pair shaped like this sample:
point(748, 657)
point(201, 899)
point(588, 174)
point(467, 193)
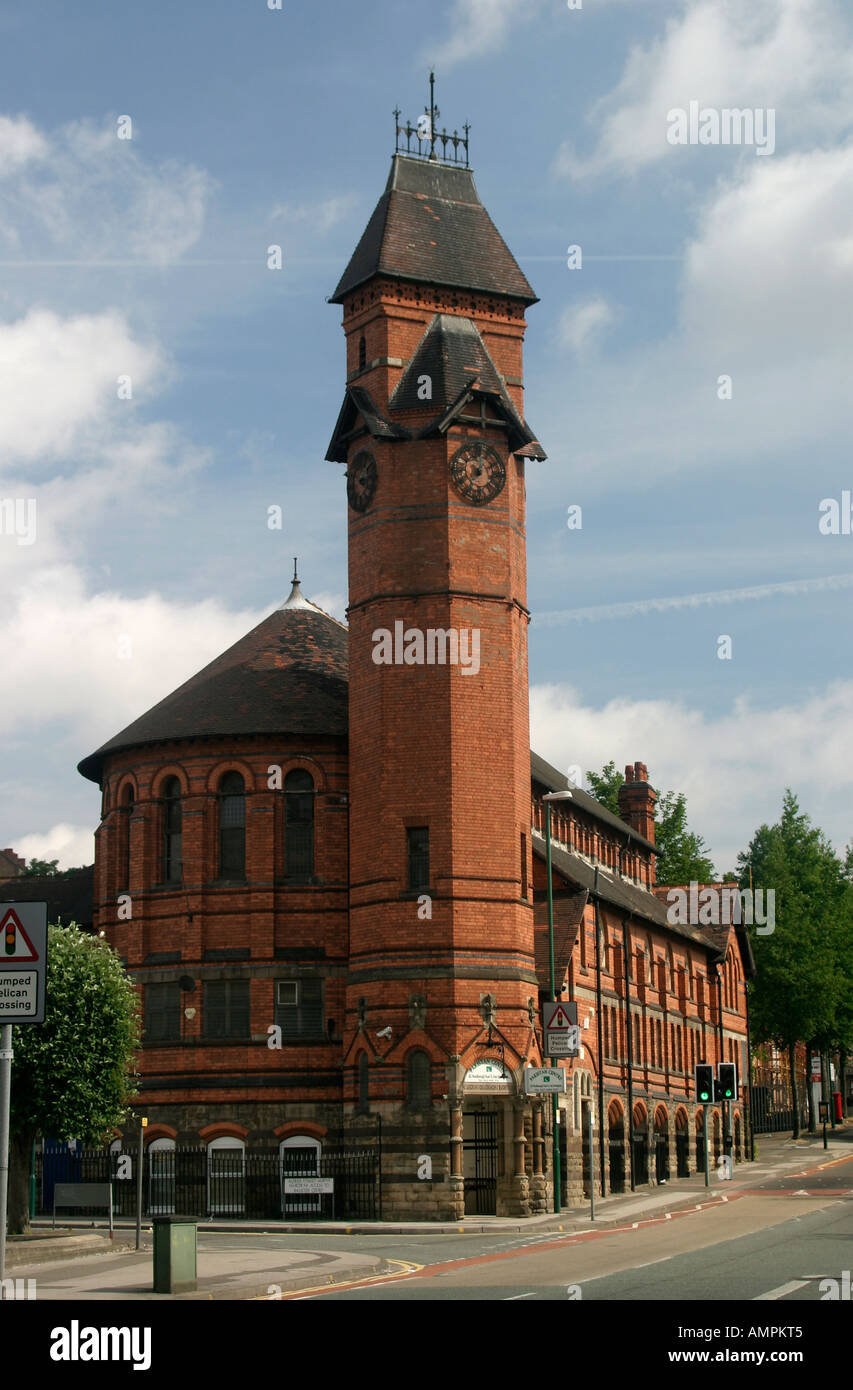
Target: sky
point(161, 387)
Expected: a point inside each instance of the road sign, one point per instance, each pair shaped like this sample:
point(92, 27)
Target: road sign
point(544, 1080)
point(560, 1024)
point(23, 962)
point(312, 1185)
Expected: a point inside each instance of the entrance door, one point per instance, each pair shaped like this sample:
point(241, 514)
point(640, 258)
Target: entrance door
point(480, 1162)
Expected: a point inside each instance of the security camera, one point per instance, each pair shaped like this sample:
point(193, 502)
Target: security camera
point(384, 1033)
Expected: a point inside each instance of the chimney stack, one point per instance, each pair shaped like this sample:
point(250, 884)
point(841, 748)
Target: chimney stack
point(637, 801)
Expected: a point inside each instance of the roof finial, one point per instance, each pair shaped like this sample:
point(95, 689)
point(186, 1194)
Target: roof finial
point(427, 135)
point(295, 575)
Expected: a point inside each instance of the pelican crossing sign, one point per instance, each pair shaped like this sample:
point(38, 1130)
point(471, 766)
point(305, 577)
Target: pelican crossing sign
point(23, 962)
point(560, 1024)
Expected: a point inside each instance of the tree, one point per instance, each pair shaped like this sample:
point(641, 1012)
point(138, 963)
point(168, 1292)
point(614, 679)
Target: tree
point(41, 868)
point(605, 786)
point(683, 855)
point(74, 1074)
point(804, 968)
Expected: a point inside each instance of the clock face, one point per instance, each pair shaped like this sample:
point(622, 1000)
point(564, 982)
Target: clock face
point(361, 481)
point(478, 472)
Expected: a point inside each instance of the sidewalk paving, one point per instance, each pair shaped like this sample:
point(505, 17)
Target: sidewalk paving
point(116, 1270)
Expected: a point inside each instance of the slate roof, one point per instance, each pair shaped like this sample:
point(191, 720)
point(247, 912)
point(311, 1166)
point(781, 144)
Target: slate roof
point(430, 226)
point(287, 676)
point(568, 915)
point(69, 898)
point(554, 781)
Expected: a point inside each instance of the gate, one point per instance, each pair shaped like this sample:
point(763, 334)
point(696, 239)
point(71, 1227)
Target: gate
point(682, 1146)
point(616, 1152)
point(481, 1191)
point(661, 1146)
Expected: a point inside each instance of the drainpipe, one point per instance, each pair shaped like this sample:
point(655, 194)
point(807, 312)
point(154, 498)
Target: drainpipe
point(600, 1019)
point(747, 1085)
point(629, 1038)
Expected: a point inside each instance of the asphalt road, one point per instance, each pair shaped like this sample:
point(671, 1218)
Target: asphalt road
point(776, 1242)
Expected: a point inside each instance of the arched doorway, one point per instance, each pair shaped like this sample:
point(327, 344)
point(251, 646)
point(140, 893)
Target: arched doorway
point(682, 1145)
point(299, 1157)
point(661, 1144)
point(616, 1147)
point(160, 1162)
point(640, 1137)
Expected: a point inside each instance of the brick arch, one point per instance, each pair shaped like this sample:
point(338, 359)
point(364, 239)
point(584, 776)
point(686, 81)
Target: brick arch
point(299, 760)
point(682, 1120)
point(163, 773)
point(662, 1119)
point(159, 1131)
point(123, 781)
point(306, 1127)
point(641, 1114)
point(223, 765)
point(222, 1129)
point(615, 1112)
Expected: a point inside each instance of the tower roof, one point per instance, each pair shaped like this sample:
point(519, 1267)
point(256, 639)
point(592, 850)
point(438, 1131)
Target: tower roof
point(287, 676)
point(429, 225)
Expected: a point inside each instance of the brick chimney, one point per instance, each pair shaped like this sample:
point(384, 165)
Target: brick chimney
point(637, 801)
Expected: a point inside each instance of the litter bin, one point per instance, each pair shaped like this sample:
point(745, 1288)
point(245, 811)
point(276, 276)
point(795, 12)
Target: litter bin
point(836, 1100)
point(175, 1254)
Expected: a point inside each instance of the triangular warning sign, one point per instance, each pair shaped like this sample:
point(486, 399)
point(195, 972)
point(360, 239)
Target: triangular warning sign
point(560, 1019)
point(14, 942)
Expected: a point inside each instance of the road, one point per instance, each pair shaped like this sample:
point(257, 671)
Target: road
point(774, 1242)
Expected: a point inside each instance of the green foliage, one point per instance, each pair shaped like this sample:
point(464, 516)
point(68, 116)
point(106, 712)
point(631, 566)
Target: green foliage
point(683, 854)
point(41, 868)
point(605, 786)
point(803, 988)
point(74, 1074)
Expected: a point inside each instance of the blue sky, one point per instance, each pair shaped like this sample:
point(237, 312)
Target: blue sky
point(147, 257)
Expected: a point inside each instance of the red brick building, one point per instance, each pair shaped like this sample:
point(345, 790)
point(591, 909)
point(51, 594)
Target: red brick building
point(337, 832)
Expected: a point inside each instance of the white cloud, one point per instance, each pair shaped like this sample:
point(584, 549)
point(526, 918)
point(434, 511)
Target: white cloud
point(58, 380)
point(480, 27)
point(94, 197)
point(790, 55)
point(71, 845)
point(581, 325)
point(20, 143)
point(94, 662)
point(733, 769)
point(320, 217)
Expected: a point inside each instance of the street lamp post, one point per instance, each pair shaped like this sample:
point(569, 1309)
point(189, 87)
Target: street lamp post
point(548, 798)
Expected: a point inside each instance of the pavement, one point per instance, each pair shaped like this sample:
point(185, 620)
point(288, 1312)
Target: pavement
point(82, 1262)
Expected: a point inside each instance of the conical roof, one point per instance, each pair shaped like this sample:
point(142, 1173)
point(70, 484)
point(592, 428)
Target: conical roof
point(287, 676)
point(429, 225)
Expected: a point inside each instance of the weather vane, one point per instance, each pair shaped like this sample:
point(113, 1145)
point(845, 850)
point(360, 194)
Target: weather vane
point(427, 135)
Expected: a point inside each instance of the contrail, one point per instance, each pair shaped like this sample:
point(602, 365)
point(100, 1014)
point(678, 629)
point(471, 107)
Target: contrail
point(640, 607)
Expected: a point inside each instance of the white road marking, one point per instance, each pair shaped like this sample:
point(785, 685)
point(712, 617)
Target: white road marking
point(773, 1294)
point(514, 1296)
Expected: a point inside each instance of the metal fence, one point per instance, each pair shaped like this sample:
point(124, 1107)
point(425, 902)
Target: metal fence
point(771, 1105)
point(247, 1184)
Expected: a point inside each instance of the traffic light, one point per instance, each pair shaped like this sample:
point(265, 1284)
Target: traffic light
point(726, 1087)
point(704, 1082)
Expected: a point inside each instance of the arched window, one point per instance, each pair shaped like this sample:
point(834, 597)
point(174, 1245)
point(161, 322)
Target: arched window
point(419, 1080)
point(299, 1157)
point(362, 353)
point(232, 826)
point(171, 830)
point(299, 824)
point(226, 1176)
point(363, 1082)
point(125, 813)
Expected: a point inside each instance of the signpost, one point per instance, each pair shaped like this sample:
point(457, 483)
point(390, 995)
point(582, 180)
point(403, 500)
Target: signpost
point(23, 977)
point(560, 1025)
point(544, 1080)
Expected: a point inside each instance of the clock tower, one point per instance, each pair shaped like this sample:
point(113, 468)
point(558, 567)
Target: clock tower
point(442, 991)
